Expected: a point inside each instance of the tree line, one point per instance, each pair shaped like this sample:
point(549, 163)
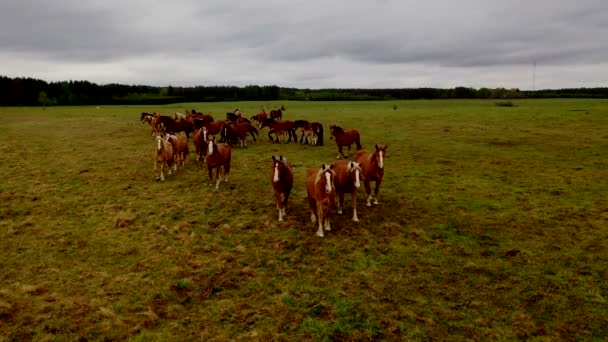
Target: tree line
point(35, 92)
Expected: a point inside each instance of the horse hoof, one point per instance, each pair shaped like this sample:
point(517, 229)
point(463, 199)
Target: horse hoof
point(319, 234)
point(340, 212)
point(369, 204)
point(355, 219)
point(376, 202)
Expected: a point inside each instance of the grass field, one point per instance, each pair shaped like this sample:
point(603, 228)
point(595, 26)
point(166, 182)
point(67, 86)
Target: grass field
point(492, 224)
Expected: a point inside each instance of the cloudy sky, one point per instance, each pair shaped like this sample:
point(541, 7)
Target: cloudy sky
point(309, 43)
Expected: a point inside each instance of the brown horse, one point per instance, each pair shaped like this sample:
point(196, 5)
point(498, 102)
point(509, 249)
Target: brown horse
point(200, 139)
point(167, 124)
point(321, 195)
point(218, 156)
point(238, 131)
point(372, 167)
point(344, 138)
point(215, 127)
point(282, 182)
point(312, 132)
point(347, 182)
point(261, 116)
point(279, 129)
point(165, 155)
point(277, 114)
point(180, 146)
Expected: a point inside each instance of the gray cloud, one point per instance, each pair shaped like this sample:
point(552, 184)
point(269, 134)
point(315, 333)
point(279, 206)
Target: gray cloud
point(297, 43)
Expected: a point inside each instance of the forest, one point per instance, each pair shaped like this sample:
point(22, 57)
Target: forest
point(35, 92)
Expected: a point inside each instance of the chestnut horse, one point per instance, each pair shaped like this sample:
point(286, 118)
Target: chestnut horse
point(282, 182)
point(214, 128)
point(167, 124)
point(238, 131)
point(344, 138)
point(278, 128)
point(321, 195)
point(165, 155)
point(200, 139)
point(277, 114)
point(218, 156)
point(348, 174)
point(311, 131)
point(372, 167)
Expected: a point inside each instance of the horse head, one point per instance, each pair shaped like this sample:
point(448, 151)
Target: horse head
point(211, 146)
point(277, 163)
point(326, 177)
point(379, 154)
point(354, 172)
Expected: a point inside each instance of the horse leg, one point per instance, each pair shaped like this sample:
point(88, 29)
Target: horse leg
point(340, 202)
point(217, 177)
point(368, 191)
point(285, 198)
point(162, 175)
point(321, 219)
point(279, 203)
point(210, 169)
point(339, 152)
point(326, 217)
point(376, 190)
point(313, 210)
point(355, 218)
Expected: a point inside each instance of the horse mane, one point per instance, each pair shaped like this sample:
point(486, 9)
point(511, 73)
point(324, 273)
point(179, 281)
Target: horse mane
point(321, 171)
point(336, 128)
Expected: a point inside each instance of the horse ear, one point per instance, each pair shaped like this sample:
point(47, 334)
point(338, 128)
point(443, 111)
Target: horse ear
point(323, 167)
point(376, 147)
point(331, 166)
point(352, 165)
point(274, 158)
point(385, 146)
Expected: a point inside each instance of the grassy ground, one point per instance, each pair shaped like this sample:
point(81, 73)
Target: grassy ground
point(492, 224)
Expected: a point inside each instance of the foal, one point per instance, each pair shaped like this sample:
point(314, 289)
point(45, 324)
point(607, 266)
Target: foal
point(218, 156)
point(282, 182)
point(321, 195)
point(345, 138)
point(347, 179)
point(372, 167)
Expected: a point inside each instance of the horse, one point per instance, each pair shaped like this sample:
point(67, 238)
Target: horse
point(168, 125)
point(231, 117)
point(199, 139)
point(218, 156)
point(277, 114)
point(347, 181)
point(344, 138)
point(214, 128)
point(279, 128)
point(235, 131)
point(372, 167)
point(261, 116)
point(180, 147)
point(312, 132)
point(165, 155)
point(282, 182)
point(149, 118)
point(321, 195)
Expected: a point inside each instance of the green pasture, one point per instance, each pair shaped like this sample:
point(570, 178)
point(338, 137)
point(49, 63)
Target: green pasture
point(492, 225)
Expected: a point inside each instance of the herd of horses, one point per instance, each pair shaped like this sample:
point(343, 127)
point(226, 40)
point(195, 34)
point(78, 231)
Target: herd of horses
point(323, 184)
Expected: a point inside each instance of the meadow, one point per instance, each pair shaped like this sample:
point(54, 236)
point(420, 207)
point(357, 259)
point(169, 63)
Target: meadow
point(492, 225)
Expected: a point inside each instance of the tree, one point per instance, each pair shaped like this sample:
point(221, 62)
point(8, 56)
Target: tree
point(43, 99)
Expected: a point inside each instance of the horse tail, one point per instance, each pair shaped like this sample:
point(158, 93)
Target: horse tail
point(320, 136)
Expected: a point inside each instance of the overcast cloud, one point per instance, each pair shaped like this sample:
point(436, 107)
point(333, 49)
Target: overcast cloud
point(308, 44)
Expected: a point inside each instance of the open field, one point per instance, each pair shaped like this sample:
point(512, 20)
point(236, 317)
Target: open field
point(492, 224)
